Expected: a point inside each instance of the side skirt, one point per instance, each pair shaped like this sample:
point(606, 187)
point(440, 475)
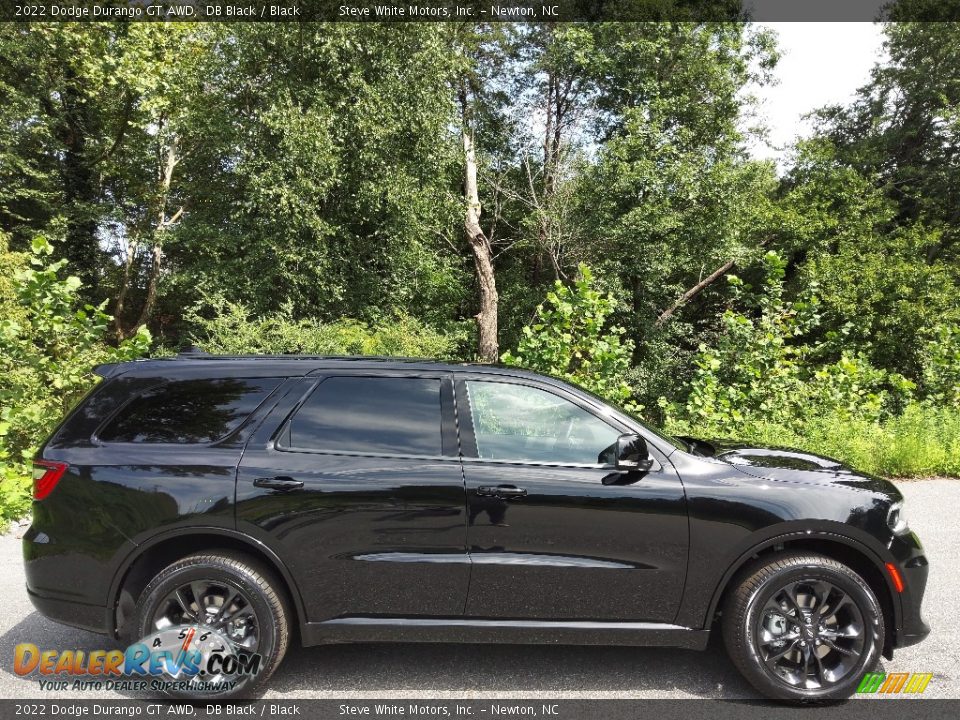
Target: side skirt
point(524, 632)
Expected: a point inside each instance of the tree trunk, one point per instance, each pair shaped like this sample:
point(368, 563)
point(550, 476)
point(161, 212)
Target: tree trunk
point(482, 252)
point(79, 184)
point(132, 250)
point(171, 157)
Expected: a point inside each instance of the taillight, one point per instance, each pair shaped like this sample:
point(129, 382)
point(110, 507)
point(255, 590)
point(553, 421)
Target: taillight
point(46, 475)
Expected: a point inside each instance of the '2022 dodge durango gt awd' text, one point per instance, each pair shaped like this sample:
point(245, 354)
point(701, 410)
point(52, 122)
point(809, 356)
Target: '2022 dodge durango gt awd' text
point(366, 499)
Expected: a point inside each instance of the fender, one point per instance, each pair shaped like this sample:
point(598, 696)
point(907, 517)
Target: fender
point(180, 533)
point(807, 534)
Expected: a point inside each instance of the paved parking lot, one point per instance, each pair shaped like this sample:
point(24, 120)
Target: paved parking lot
point(478, 671)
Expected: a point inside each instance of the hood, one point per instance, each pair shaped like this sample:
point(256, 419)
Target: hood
point(765, 456)
point(790, 465)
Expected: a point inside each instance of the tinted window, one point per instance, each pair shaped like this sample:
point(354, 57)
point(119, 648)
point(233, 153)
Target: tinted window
point(373, 415)
point(188, 411)
point(517, 422)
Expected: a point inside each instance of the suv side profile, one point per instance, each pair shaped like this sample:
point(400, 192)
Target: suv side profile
point(377, 499)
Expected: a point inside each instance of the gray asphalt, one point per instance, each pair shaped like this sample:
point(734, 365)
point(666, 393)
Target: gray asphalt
point(480, 671)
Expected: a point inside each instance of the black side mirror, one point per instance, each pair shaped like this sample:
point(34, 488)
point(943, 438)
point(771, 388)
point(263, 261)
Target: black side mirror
point(632, 453)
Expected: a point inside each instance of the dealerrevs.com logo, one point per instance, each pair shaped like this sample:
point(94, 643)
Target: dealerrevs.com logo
point(184, 660)
point(894, 683)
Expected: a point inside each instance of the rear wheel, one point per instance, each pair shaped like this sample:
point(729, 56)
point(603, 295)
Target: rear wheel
point(803, 626)
point(216, 604)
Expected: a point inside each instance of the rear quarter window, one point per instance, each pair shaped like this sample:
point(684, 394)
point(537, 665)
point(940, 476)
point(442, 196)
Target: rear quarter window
point(188, 411)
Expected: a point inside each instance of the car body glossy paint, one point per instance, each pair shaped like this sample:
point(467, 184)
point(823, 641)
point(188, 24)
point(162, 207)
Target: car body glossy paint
point(383, 547)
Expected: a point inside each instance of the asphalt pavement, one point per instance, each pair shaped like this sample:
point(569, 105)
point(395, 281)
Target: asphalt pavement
point(512, 671)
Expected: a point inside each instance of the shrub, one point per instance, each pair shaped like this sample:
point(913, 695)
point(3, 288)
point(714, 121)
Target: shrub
point(48, 348)
point(941, 366)
point(570, 339)
point(761, 373)
point(227, 327)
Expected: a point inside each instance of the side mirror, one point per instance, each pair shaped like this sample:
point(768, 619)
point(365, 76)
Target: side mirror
point(632, 453)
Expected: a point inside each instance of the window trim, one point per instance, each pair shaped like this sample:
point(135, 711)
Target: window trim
point(471, 452)
point(449, 436)
point(97, 441)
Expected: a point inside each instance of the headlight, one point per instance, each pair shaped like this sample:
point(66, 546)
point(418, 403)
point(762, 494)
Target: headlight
point(896, 519)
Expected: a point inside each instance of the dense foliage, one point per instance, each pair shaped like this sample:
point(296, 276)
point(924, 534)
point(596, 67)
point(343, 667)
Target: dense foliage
point(571, 339)
point(48, 348)
point(249, 188)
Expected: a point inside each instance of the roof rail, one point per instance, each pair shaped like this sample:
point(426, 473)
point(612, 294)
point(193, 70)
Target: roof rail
point(192, 351)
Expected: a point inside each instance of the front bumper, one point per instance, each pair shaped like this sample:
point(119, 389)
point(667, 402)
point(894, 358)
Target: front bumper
point(913, 567)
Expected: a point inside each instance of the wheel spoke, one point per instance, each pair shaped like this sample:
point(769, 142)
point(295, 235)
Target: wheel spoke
point(199, 590)
point(843, 651)
point(232, 595)
point(791, 594)
point(788, 648)
point(184, 604)
point(244, 612)
point(818, 666)
point(839, 599)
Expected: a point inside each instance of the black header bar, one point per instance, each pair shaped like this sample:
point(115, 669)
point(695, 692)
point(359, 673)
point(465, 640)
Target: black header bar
point(476, 10)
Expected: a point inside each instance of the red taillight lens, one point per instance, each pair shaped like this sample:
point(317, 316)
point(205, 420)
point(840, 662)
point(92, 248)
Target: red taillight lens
point(46, 475)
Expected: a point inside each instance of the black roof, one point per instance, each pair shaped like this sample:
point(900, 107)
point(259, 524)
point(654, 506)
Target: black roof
point(295, 364)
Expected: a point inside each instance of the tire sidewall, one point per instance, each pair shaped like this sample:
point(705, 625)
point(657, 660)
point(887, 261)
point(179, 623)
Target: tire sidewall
point(187, 571)
point(856, 589)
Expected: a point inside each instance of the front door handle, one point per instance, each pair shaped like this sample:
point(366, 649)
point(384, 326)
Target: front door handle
point(501, 491)
point(281, 482)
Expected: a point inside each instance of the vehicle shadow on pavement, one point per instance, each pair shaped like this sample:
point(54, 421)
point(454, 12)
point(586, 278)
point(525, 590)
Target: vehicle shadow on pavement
point(409, 670)
point(428, 670)
point(46, 635)
point(412, 670)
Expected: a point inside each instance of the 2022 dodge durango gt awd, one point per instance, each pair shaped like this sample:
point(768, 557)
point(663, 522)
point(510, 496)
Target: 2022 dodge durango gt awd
point(359, 499)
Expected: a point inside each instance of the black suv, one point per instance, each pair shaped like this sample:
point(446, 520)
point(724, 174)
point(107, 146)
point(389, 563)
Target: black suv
point(366, 499)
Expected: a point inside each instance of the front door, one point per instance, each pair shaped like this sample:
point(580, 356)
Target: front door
point(547, 538)
point(355, 482)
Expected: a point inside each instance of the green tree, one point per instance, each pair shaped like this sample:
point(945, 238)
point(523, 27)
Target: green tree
point(47, 352)
point(572, 338)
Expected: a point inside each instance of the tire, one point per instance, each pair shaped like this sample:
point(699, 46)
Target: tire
point(816, 662)
point(260, 603)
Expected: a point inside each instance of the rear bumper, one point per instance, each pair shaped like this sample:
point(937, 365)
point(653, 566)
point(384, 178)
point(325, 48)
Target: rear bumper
point(71, 612)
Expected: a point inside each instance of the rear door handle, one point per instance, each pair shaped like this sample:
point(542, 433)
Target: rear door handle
point(281, 482)
point(501, 491)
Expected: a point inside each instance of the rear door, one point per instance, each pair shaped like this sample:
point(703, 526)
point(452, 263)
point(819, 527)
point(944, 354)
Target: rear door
point(355, 481)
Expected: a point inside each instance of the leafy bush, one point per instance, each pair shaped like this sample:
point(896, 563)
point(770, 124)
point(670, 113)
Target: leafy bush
point(941, 366)
point(229, 328)
point(570, 339)
point(761, 371)
point(48, 347)
point(761, 383)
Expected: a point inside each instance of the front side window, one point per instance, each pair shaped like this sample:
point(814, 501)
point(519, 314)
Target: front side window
point(380, 415)
point(188, 411)
point(522, 423)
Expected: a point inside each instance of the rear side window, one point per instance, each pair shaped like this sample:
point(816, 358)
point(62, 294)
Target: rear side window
point(188, 411)
point(383, 415)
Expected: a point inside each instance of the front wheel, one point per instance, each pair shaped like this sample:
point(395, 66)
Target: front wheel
point(216, 625)
point(802, 626)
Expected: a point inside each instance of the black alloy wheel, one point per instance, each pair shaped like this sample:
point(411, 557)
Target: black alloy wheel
point(803, 627)
point(220, 602)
